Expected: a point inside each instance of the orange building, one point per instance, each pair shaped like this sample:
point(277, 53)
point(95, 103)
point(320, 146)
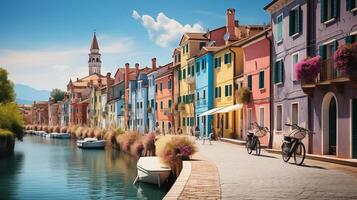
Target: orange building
point(164, 87)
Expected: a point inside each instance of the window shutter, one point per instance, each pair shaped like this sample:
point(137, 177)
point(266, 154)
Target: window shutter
point(335, 46)
point(350, 4)
point(350, 39)
point(250, 82)
point(230, 58)
point(291, 22)
point(179, 75)
point(188, 70)
point(336, 8)
point(225, 90)
point(275, 69)
point(300, 19)
point(281, 71)
point(323, 10)
point(220, 90)
point(261, 79)
point(192, 70)
point(215, 92)
point(322, 52)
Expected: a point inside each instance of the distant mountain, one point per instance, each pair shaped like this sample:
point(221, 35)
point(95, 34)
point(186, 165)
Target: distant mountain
point(26, 94)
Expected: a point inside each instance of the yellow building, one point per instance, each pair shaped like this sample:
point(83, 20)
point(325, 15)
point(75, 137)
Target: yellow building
point(227, 63)
point(190, 46)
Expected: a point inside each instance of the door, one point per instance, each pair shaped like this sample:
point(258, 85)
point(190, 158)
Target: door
point(354, 128)
point(332, 127)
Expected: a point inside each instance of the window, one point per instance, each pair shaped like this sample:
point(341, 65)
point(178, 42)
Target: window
point(261, 116)
point(279, 118)
point(179, 75)
point(228, 90)
point(217, 92)
point(217, 62)
point(186, 48)
point(295, 60)
point(326, 51)
point(184, 74)
point(183, 121)
point(295, 21)
point(279, 28)
point(141, 104)
point(179, 99)
point(250, 82)
point(351, 5)
point(350, 39)
point(198, 96)
point(192, 121)
point(152, 103)
point(227, 120)
point(261, 79)
point(169, 84)
point(202, 44)
point(279, 71)
point(204, 94)
point(330, 9)
point(155, 106)
point(161, 105)
point(197, 67)
point(203, 62)
point(192, 70)
point(227, 58)
point(295, 113)
point(249, 118)
point(218, 117)
point(170, 103)
point(188, 71)
point(155, 87)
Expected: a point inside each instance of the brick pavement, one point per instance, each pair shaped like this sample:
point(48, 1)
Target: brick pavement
point(244, 176)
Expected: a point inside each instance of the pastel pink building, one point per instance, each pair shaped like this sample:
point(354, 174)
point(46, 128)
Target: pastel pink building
point(256, 51)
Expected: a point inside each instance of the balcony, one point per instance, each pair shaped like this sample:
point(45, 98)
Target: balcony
point(191, 80)
point(329, 75)
point(201, 102)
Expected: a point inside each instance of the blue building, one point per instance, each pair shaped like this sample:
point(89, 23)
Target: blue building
point(142, 103)
point(151, 90)
point(204, 89)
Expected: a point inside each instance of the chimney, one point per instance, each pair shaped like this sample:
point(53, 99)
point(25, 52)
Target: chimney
point(230, 23)
point(109, 83)
point(126, 75)
point(153, 63)
point(137, 69)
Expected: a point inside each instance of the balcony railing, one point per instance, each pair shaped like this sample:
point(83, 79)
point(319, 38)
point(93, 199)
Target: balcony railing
point(329, 72)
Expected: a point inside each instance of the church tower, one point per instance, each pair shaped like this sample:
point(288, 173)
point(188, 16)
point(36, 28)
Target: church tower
point(94, 62)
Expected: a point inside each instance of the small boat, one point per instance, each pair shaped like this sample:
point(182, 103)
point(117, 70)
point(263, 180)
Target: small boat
point(151, 170)
point(89, 143)
point(60, 135)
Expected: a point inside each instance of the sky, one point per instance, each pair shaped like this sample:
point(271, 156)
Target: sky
point(44, 43)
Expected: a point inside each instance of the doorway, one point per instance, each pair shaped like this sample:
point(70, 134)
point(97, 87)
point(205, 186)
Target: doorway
point(332, 127)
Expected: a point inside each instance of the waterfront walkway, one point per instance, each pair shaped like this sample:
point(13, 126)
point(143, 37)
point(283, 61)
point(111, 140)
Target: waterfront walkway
point(244, 176)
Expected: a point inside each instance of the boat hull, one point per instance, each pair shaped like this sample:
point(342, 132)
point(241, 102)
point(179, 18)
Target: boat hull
point(151, 170)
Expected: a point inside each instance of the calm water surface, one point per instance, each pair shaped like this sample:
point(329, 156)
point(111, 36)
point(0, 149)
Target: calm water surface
point(56, 169)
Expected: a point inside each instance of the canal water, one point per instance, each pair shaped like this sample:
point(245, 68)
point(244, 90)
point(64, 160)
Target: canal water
point(44, 168)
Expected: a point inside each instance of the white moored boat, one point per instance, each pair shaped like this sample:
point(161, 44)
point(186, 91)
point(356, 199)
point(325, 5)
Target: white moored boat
point(60, 135)
point(90, 143)
point(151, 170)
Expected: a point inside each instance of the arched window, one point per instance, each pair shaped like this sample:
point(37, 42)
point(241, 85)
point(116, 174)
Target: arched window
point(97, 59)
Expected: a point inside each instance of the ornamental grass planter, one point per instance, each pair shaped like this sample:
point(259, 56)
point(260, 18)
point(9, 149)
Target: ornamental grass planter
point(345, 58)
point(244, 95)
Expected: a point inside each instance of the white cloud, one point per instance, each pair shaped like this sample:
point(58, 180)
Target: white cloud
point(165, 31)
point(47, 69)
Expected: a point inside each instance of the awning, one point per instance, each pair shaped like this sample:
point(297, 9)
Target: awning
point(230, 108)
point(210, 112)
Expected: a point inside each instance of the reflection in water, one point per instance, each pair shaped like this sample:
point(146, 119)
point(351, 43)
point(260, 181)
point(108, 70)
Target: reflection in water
point(56, 169)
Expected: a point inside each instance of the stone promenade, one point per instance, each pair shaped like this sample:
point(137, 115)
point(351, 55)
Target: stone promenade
point(244, 176)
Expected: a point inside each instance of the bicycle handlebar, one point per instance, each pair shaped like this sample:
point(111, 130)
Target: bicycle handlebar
point(260, 127)
point(299, 127)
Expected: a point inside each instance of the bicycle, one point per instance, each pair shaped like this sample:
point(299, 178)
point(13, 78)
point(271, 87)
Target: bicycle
point(252, 140)
point(292, 145)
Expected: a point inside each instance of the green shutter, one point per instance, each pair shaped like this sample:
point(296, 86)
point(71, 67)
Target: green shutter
point(170, 103)
point(323, 9)
point(192, 70)
point(184, 74)
point(281, 71)
point(350, 39)
point(335, 46)
point(291, 22)
point(188, 70)
point(250, 82)
point(350, 4)
point(336, 8)
point(300, 19)
point(179, 75)
point(226, 90)
point(261, 79)
point(322, 52)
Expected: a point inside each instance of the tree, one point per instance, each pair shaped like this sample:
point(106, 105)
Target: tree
point(57, 94)
point(7, 93)
point(11, 119)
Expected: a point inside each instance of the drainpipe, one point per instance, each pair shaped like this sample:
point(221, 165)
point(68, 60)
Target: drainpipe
point(271, 92)
point(234, 99)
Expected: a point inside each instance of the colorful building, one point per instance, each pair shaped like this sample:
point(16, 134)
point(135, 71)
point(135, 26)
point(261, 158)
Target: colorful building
point(130, 76)
point(151, 96)
point(176, 65)
point(53, 113)
point(40, 113)
point(333, 98)
point(141, 113)
point(164, 98)
point(290, 35)
point(256, 51)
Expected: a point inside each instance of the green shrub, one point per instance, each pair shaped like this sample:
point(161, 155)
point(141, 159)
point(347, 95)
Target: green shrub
point(11, 119)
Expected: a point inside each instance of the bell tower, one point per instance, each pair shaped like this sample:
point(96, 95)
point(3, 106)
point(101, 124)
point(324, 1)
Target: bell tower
point(94, 62)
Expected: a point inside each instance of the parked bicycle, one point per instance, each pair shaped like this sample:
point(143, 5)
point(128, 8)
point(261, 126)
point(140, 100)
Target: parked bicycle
point(252, 141)
point(292, 145)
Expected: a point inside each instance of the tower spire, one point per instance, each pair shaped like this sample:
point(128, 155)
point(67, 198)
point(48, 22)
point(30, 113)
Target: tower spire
point(94, 62)
point(94, 42)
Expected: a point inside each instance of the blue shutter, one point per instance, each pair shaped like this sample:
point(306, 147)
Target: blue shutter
point(350, 4)
point(323, 9)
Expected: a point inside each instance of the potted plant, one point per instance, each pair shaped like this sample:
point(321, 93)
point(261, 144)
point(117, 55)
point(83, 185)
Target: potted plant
point(149, 109)
point(244, 95)
point(345, 58)
point(308, 69)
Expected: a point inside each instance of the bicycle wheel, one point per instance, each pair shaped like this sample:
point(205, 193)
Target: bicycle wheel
point(299, 153)
point(248, 145)
point(285, 152)
point(257, 147)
